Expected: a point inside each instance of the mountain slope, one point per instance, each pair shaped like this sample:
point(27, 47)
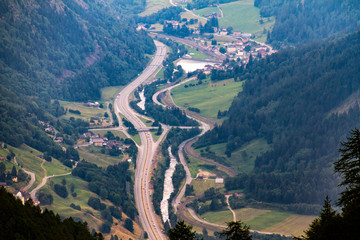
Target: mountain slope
point(68, 49)
point(62, 49)
point(302, 21)
point(292, 99)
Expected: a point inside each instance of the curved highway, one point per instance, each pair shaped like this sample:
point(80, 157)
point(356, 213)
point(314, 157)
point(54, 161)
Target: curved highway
point(149, 219)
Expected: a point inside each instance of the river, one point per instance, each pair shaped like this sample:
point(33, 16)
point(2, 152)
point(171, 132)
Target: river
point(168, 187)
point(141, 104)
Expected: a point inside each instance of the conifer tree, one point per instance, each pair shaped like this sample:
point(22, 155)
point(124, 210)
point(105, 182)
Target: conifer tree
point(181, 231)
point(236, 231)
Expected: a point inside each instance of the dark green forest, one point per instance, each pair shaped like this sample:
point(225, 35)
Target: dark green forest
point(68, 51)
point(299, 22)
point(303, 102)
point(27, 221)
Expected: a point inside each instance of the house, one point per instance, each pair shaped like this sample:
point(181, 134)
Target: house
point(58, 139)
point(219, 180)
point(231, 49)
point(23, 195)
point(246, 35)
point(236, 34)
point(97, 141)
point(174, 23)
point(262, 52)
point(48, 129)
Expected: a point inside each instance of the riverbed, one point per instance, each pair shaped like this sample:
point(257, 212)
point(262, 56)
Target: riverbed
point(168, 187)
point(141, 104)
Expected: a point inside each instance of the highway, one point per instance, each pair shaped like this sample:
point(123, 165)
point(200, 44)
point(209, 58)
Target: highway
point(148, 218)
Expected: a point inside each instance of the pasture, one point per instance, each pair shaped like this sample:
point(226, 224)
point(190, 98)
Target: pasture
point(209, 97)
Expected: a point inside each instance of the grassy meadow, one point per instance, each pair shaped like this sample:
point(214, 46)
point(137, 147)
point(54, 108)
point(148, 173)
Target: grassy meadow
point(153, 6)
point(86, 112)
point(92, 154)
point(109, 93)
point(209, 97)
point(243, 159)
point(200, 186)
point(242, 16)
point(274, 221)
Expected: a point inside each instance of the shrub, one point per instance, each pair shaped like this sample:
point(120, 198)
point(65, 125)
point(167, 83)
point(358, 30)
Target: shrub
point(61, 190)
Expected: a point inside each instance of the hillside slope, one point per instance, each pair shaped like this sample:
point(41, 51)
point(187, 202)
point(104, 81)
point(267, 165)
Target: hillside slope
point(302, 21)
point(302, 102)
point(68, 49)
point(62, 49)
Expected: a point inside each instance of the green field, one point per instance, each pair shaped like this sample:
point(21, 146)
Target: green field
point(189, 15)
point(263, 220)
point(195, 54)
point(116, 133)
point(26, 157)
point(55, 167)
point(62, 206)
point(218, 217)
point(86, 112)
point(294, 225)
point(242, 16)
point(109, 93)
point(194, 166)
point(209, 97)
point(268, 219)
point(153, 6)
point(200, 186)
point(243, 159)
point(92, 154)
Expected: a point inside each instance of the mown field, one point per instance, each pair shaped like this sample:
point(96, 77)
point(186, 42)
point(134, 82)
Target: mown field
point(86, 112)
point(92, 154)
point(265, 220)
point(209, 97)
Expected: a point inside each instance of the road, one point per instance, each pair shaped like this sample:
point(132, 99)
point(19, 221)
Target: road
point(148, 218)
point(43, 182)
point(109, 113)
point(27, 187)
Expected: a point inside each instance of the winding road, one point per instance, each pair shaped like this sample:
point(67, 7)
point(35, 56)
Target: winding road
point(150, 221)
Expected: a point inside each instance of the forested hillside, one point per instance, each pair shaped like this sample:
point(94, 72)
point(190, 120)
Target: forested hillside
point(62, 49)
point(67, 49)
point(302, 21)
point(303, 102)
point(20, 221)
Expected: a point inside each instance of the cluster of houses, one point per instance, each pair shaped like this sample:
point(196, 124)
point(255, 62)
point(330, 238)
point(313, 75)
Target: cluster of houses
point(238, 49)
point(24, 195)
point(100, 141)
